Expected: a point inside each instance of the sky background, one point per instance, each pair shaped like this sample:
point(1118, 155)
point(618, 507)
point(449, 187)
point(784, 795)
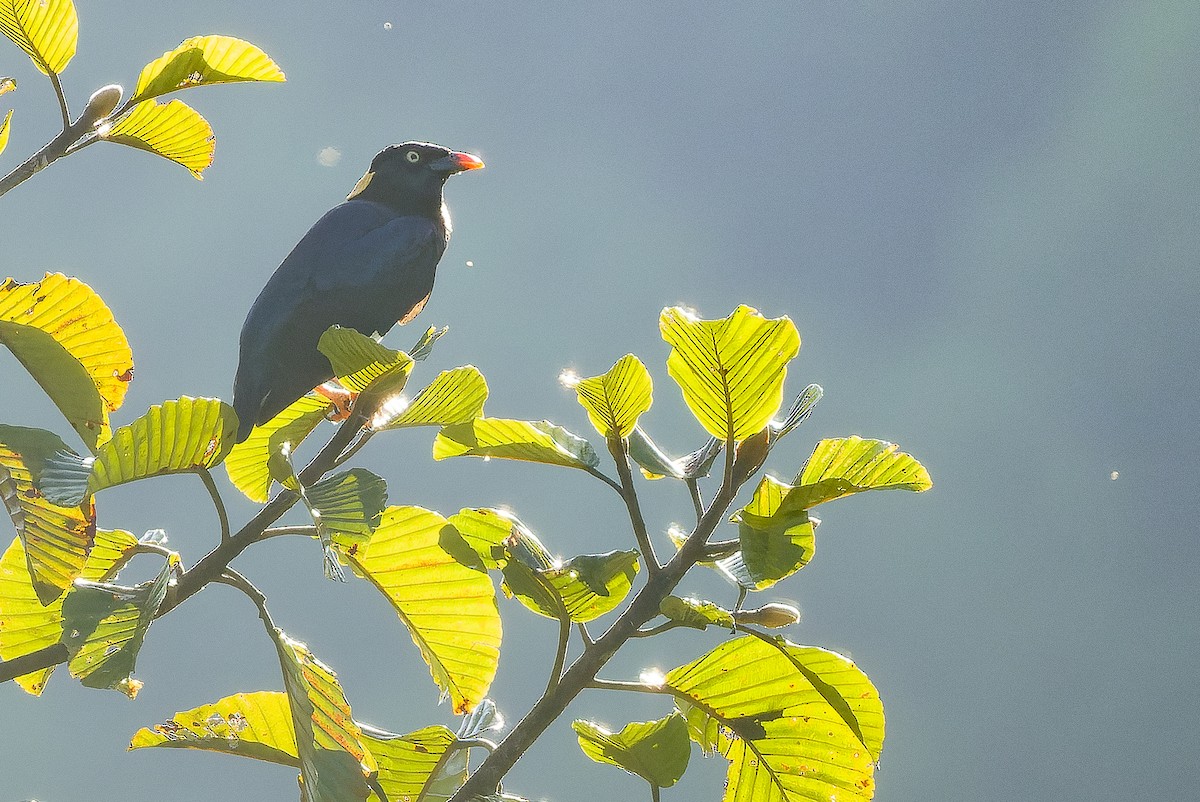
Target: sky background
point(981, 217)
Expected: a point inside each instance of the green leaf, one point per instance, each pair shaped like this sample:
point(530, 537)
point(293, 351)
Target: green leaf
point(455, 396)
point(56, 540)
point(360, 363)
point(26, 624)
point(423, 347)
point(615, 400)
point(593, 584)
point(65, 336)
point(348, 506)
point(256, 725)
point(334, 761)
point(449, 609)
point(484, 531)
point(204, 60)
point(104, 625)
point(654, 462)
point(174, 131)
point(421, 765)
point(254, 463)
point(696, 613)
point(180, 436)
point(656, 751)
point(843, 466)
point(530, 441)
point(4, 129)
point(802, 407)
point(48, 30)
point(731, 370)
point(795, 722)
point(776, 541)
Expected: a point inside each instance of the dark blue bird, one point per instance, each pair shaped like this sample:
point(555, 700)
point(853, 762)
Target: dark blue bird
point(367, 264)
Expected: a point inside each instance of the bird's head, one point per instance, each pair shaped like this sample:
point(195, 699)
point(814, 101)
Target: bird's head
point(409, 177)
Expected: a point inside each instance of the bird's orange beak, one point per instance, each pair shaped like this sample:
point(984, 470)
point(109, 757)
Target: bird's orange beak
point(458, 162)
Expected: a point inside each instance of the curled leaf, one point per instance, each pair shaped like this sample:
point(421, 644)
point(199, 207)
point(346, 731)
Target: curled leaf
point(174, 131)
point(204, 60)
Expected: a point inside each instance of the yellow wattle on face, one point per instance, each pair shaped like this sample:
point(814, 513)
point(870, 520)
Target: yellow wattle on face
point(361, 185)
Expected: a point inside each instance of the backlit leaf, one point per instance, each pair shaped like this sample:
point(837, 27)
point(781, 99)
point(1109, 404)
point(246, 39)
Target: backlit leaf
point(4, 130)
point(486, 532)
point(334, 761)
point(7, 85)
point(530, 441)
point(455, 396)
point(104, 625)
point(656, 751)
point(360, 363)
point(173, 130)
point(423, 347)
point(178, 436)
point(256, 725)
point(795, 722)
point(27, 625)
point(593, 584)
point(731, 370)
point(843, 466)
point(48, 30)
point(65, 336)
point(420, 765)
point(347, 506)
point(615, 400)
point(695, 613)
point(254, 463)
point(449, 609)
point(776, 541)
point(654, 462)
point(56, 540)
point(204, 60)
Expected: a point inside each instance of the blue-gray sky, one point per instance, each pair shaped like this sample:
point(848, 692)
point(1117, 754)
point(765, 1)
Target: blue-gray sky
point(981, 217)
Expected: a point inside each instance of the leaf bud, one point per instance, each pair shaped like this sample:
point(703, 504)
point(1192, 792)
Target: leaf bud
point(101, 104)
point(772, 615)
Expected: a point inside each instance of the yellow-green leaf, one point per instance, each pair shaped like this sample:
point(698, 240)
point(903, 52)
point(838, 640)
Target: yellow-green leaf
point(65, 336)
point(591, 585)
point(347, 506)
point(656, 751)
point(56, 540)
point(615, 400)
point(104, 625)
point(695, 613)
point(485, 531)
point(364, 366)
point(530, 441)
point(254, 463)
point(421, 765)
point(204, 60)
point(731, 370)
point(449, 609)
point(776, 540)
point(27, 625)
point(174, 131)
point(48, 30)
point(4, 130)
point(256, 725)
point(7, 85)
point(843, 466)
point(795, 722)
point(455, 396)
point(334, 761)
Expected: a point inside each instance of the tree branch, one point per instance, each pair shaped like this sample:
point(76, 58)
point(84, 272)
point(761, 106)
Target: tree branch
point(620, 455)
point(211, 487)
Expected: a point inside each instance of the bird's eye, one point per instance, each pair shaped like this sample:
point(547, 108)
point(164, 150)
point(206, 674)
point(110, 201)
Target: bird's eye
point(413, 156)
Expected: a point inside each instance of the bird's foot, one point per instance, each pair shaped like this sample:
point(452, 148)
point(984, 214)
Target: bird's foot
point(341, 398)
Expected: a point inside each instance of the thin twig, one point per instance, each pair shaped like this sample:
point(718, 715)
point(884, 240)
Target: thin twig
point(654, 795)
point(211, 486)
point(605, 478)
point(233, 579)
point(652, 631)
point(585, 635)
point(278, 531)
point(697, 499)
point(625, 685)
point(62, 99)
point(620, 455)
point(472, 743)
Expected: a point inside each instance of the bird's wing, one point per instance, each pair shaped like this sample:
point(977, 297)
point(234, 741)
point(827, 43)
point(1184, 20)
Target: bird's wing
point(360, 266)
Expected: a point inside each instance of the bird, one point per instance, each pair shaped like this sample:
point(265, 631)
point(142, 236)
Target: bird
point(367, 264)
